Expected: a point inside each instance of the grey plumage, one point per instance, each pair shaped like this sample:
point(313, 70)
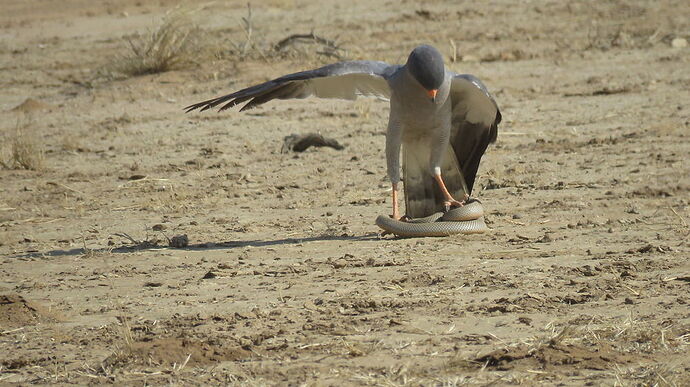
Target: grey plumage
point(443, 121)
point(474, 125)
point(343, 80)
point(426, 66)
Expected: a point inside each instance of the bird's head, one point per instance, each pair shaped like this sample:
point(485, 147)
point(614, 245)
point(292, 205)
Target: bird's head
point(425, 64)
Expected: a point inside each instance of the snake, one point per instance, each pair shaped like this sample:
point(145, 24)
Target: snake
point(468, 219)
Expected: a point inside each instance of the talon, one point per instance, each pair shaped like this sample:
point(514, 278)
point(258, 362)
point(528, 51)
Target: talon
point(452, 203)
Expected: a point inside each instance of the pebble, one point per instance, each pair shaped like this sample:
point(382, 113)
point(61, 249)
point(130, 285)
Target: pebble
point(679, 43)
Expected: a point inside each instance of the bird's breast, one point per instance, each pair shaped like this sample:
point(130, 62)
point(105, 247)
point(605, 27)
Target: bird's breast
point(425, 122)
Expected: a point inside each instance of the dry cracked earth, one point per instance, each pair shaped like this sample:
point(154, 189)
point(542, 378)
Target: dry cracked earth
point(283, 278)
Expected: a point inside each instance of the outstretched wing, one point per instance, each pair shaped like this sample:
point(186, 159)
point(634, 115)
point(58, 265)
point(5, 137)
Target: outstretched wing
point(475, 123)
point(343, 80)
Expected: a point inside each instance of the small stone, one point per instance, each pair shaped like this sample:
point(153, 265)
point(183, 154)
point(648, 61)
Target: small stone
point(679, 43)
point(525, 320)
point(179, 241)
point(158, 227)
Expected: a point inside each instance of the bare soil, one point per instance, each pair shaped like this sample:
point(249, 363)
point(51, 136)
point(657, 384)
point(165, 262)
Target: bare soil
point(583, 279)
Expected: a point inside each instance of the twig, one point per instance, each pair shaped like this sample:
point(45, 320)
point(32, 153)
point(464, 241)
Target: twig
point(11, 331)
point(183, 364)
point(311, 36)
point(454, 58)
point(140, 180)
point(525, 249)
point(633, 291)
point(654, 37)
point(126, 236)
point(65, 187)
point(515, 222)
point(124, 208)
point(330, 54)
point(679, 217)
point(247, 27)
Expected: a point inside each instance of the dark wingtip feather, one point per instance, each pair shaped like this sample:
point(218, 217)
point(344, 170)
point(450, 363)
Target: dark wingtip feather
point(247, 106)
point(204, 105)
point(228, 105)
point(189, 108)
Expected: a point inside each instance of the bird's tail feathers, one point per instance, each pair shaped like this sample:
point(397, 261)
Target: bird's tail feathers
point(422, 194)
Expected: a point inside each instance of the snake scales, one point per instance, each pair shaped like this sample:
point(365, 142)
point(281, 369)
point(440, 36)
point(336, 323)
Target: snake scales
point(468, 219)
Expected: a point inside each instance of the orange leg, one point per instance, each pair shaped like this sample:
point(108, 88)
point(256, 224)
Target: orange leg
point(448, 199)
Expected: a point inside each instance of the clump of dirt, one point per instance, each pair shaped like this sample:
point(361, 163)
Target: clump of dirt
point(16, 311)
point(419, 279)
point(556, 354)
point(31, 105)
point(300, 143)
point(171, 351)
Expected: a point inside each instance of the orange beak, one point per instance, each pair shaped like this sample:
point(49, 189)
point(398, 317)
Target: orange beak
point(432, 94)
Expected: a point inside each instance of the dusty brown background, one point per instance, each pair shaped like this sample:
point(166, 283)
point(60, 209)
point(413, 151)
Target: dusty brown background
point(583, 279)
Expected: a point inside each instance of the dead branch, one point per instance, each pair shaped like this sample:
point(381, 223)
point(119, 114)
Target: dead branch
point(305, 38)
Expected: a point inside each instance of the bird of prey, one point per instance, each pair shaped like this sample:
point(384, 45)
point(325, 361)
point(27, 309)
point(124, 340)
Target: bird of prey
point(443, 120)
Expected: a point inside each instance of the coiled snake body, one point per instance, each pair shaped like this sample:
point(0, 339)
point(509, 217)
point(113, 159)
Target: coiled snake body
point(468, 219)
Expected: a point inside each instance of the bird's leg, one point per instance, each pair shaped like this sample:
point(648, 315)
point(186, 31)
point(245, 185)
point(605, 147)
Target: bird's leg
point(393, 143)
point(448, 200)
point(396, 210)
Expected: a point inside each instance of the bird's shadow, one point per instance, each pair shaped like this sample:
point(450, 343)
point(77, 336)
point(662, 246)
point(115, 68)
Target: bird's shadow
point(225, 245)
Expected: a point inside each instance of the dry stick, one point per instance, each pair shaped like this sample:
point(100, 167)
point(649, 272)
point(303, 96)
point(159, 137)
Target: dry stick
point(455, 51)
point(633, 291)
point(125, 235)
point(679, 217)
point(515, 222)
point(138, 180)
point(65, 187)
point(124, 208)
point(331, 46)
point(183, 364)
point(330, 54)
point(326, 42)
point(11, 330)
point(247, 30)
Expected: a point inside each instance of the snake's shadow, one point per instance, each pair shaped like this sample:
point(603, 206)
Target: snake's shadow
point(225, 245)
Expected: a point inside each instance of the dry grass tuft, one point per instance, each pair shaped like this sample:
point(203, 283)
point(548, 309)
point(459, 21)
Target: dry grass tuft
point(660, 375)
point(175, 44)
point(23, 149)
point(638, 336)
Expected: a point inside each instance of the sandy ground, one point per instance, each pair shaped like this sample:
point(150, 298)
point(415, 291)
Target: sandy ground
point(583, 279)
